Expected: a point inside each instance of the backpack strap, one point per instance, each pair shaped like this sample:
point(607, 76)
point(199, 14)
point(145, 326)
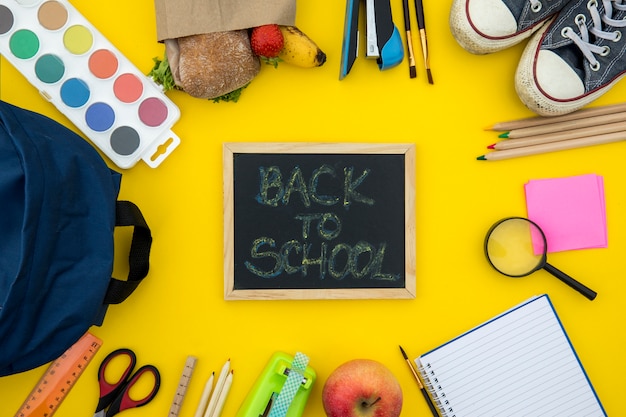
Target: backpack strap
point(128, 214)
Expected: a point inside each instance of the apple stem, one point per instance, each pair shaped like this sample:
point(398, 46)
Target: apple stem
point(365, 404)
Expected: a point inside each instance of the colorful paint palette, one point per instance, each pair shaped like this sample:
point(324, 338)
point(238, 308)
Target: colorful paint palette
point(75, 67)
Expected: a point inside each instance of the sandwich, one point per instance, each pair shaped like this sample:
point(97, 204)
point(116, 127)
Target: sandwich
point(217, 65)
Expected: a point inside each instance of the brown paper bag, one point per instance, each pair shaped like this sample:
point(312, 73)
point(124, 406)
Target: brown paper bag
point(178, 18)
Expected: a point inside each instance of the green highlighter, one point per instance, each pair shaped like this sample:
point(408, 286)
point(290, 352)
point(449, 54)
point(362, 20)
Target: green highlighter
point(282, 389)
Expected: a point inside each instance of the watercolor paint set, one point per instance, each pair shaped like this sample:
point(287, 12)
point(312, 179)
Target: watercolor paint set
point(121, 110)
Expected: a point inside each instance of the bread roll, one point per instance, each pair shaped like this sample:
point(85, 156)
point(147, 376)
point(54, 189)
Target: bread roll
point(213, 64)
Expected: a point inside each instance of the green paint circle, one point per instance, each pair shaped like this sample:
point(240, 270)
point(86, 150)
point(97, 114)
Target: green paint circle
point(24, 44)
point(49, 68)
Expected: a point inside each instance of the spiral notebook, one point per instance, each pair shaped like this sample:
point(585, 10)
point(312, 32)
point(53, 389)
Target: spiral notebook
point(520, 363)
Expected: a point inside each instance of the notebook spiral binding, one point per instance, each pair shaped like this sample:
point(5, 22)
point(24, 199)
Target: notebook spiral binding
point(436, 391)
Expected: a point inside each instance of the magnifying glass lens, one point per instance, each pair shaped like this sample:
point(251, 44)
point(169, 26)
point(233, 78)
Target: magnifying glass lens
point(516, 247)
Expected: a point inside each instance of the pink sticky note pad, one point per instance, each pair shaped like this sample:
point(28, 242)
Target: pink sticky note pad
point(571, 211)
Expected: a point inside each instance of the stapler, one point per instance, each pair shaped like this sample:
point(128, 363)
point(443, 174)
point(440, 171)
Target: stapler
point(383, 40)
point(282, 389)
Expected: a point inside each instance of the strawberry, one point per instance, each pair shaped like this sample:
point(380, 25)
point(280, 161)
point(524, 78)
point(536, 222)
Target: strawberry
point(267, 42)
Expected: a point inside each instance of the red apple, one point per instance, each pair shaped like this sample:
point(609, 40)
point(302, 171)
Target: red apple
point(362, 388)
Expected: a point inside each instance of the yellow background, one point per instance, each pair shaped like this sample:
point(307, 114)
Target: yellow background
point(179, 309)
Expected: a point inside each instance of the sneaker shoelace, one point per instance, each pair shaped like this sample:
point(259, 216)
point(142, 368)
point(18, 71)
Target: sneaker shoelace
point(582, 39)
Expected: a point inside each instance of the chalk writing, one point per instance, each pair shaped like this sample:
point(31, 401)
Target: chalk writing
point(319, 248)
point(274, 191)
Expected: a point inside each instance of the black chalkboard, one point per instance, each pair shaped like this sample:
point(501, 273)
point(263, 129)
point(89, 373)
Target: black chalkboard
point(318, 221)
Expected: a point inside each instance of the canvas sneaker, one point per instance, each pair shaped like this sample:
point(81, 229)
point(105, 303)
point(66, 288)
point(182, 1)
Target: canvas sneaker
point(574, 59)
point(485, 26)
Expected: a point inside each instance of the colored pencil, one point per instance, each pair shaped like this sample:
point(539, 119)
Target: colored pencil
point(539, 120)
point(559, 136)
point(419, 384)
point(219, 385)
point(223, 394)
point(566, 125)
point(421, 25)
point(409, 39)
point(554, 146)
point(204, 400)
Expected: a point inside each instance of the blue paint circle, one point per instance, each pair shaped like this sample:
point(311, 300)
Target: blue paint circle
point(75, 92)
point(99, 117)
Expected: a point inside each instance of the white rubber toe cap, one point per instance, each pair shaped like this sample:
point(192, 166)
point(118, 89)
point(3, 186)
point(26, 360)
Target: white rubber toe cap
point(492, 18)
point(556, 78)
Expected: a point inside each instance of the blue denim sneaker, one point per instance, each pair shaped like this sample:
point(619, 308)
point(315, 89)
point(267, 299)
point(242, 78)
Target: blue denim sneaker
point(485, 26)
point(575, 58)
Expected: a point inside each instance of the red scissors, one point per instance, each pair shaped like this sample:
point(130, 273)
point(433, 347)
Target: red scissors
point(115, 395)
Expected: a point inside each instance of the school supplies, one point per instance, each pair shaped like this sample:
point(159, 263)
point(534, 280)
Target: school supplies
point(538, 135)
point(559, 136)
point(382, 38)
point(431, 406)
point(421, 25)
point(204, 399)
point(60, 210)
point(222, 386)
point(115, 397)
point(554, 146)
point(526, 132)
point(282, 389)
point(409, 39)
point(60, 377)
point(87, 79)
point(517, 247)
point(541, 120)
point(570, 210)
point(183, 384)
point(223, 393)
point(520, 362)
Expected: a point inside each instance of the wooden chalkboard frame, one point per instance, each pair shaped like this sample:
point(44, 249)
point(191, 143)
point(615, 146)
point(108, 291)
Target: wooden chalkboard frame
point(235, 148)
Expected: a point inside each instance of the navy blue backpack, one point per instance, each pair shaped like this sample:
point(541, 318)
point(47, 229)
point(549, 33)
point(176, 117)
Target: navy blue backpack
point(58, 211)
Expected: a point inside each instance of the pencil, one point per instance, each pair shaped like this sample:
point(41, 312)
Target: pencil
point(409, 39)
point(541, 120)
point(204, 400)
point(223, 394)
point(421, 25)
point(420, 385)
point(559, 136)
point(219, 385)
point(565, 125)
point(554, 146)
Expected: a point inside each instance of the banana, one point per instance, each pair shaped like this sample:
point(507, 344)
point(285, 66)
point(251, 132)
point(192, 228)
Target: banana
point(299, 49)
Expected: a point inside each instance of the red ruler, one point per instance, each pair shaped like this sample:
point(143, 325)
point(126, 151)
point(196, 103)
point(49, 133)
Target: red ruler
point(59, 378)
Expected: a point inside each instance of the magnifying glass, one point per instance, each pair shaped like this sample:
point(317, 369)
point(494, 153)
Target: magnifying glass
point(516, 247)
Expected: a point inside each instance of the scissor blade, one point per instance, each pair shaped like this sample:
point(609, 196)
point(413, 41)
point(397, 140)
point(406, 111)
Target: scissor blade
point(100, 413)
point(349, 47)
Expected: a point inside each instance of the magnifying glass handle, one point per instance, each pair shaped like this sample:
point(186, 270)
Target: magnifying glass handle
point(587, 292)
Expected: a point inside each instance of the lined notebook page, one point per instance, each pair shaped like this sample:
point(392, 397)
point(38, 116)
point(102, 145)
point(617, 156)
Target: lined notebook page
point(519, 364)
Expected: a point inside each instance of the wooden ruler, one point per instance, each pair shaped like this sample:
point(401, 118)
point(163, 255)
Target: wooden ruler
point(183, 384)
point(59, 378)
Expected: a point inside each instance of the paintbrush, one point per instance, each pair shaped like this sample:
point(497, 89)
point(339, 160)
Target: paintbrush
point(430, 403)
point(419, 11)
point(409, 39)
